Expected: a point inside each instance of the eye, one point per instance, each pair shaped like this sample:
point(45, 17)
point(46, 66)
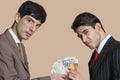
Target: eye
point(37, 26)
point(80, 36)
point(86, 32)
point(30, 21)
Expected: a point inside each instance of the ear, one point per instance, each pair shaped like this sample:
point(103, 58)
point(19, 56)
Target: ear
point(98, 26)
point(17, 17)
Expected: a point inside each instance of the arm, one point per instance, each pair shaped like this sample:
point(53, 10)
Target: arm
point(7, 69)
point(58, 76)
point(42, 78)
point(52, 77)
point(115, 63)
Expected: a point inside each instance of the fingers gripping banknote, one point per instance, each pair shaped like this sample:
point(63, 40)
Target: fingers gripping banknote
point(62, 66)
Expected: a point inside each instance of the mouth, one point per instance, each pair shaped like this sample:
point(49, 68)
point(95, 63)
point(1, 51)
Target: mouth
point(87, 43)
point(28, 34)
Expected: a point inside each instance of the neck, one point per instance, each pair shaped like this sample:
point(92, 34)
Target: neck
point(14, 26)
point(103, 36)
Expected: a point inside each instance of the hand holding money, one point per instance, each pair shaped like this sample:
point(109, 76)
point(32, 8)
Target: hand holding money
point(63, 66)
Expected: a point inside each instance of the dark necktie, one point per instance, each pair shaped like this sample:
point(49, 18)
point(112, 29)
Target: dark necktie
point(96, 56)
point(23, 54)
point(21, 50)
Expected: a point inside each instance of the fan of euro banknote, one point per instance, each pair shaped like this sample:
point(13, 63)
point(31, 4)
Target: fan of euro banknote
point(62, 66)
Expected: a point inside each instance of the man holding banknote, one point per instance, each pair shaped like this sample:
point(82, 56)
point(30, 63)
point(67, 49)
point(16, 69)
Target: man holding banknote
point(105, 60)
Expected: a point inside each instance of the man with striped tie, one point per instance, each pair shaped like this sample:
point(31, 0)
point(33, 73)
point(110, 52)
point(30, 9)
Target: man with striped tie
point(105, 60)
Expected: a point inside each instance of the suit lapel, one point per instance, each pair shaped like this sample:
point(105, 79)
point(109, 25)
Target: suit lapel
point(91, 63)
point(105, 51)
point(25, 57)
point(16, 50)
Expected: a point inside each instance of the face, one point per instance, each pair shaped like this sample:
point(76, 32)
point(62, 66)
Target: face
point(89, 36)
point(26, 26)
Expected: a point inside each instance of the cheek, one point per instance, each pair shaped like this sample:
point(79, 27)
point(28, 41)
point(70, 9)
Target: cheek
point(23, 24)
point(21, 29)
point(96, 38)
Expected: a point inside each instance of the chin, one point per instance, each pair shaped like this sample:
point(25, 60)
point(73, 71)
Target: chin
point(25, 38)
point(91, 48)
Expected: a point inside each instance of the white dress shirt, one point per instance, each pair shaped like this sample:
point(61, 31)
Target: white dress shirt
point(14, 36)
point(100, 47)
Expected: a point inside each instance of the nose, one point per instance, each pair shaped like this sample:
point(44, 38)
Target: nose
point(32, 28)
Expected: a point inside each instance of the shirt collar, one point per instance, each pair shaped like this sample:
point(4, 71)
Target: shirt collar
point(103, 43)
point(14, 36)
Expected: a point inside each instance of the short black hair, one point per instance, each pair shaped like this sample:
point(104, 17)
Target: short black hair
point(33, 9)
point(85, 19)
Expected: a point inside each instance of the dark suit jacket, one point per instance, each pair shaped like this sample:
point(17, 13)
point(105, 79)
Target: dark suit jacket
point(107, 66)
point(12, 65)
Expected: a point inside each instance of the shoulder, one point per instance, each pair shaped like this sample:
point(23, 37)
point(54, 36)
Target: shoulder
point(113, 46)
point(3, 40)
point(116, 44)
point(113, 43)
point(3, 37)
point(4, 44)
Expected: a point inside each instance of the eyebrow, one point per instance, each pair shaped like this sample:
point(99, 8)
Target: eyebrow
point(80, 35)
point(84, 31)
point(30, 19)
point(34, 20)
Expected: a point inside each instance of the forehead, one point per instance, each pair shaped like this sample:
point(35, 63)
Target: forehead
point(80, 29)
point(32, 18)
